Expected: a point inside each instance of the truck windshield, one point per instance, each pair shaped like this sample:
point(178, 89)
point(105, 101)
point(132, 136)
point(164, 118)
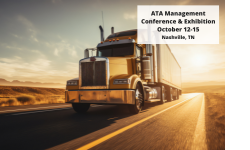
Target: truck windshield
point(116, 50)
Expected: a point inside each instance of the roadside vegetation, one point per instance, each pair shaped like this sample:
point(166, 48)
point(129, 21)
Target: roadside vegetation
point(14, 95)
point(215, 120)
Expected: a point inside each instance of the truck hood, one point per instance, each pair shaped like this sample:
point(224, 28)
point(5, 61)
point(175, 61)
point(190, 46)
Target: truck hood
point(120, 65)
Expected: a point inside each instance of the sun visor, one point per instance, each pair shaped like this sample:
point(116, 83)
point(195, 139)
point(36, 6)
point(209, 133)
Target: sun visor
point(116, 42)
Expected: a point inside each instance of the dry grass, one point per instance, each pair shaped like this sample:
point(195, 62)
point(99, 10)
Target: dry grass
point(26, 99)
point(215, 120)
point(8, 102)
point(14, 96)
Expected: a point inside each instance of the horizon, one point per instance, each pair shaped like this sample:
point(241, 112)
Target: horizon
point(60, 85)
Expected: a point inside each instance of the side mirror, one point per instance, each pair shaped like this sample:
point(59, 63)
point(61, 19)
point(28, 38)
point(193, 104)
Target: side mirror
point(148, 49)
point(146, 68)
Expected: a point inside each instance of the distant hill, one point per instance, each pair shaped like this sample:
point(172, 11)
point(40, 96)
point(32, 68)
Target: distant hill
point(4, 82)
point(205, 89)
point(196, 84)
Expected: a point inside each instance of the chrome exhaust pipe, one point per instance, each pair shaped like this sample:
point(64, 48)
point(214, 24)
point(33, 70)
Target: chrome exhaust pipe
point(112, 30)
point(102, 36)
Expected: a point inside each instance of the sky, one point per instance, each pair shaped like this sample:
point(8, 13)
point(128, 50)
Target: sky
point(43, 40)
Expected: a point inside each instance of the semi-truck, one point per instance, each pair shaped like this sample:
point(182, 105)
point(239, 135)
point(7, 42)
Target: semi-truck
point(119, 71)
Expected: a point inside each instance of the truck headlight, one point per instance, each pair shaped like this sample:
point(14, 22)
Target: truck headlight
point(71, 82)
point(121, 81)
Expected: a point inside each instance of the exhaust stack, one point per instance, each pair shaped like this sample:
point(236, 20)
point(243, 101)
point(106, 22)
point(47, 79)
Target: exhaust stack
point(102, 36)
point(112, 30)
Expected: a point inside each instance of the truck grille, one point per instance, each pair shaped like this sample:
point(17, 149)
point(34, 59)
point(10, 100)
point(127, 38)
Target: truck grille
point(93, 73)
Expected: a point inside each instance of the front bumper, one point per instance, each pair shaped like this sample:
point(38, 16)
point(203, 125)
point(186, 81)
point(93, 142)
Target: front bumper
point(100, 96)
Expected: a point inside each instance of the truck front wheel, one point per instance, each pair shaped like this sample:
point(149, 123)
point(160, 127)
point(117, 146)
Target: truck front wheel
point(174, 94)
point(80, 107)
point(136, 108)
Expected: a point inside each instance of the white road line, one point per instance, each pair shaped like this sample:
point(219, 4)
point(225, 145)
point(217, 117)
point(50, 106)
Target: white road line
point(32, 108)
point(111, 135)
point(199, 141)
point(32, 112)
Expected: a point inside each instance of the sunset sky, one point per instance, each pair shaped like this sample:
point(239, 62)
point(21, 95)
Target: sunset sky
point(42, 41)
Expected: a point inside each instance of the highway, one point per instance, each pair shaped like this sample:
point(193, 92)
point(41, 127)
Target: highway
point(179, 124)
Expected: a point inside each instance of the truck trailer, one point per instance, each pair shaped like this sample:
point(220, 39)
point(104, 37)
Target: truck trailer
point(118, 71)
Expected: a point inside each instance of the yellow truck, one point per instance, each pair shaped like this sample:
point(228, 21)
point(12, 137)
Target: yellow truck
point(121, 72)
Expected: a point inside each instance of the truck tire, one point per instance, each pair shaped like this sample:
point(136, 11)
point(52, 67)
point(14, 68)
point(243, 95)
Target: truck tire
point(175, 95)
point(139, 97)
point(80, 107)
point(163, 91)
point(169, 95)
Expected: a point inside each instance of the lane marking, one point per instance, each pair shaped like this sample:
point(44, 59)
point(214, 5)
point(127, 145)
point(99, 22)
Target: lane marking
point(31, 108)
point(199, 141)
point(102, 139)
point(32, 112)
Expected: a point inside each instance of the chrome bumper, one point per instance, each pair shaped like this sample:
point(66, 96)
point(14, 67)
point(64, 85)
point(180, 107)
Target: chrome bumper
point(100, 96)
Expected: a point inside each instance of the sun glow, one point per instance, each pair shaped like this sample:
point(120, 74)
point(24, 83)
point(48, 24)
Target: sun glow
point(199, 60)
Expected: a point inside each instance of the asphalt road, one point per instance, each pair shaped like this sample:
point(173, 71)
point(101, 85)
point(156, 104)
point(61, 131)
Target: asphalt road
point(179, 124)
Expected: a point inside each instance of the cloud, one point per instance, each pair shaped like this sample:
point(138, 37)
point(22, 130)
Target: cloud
point(213, 71)
point(56, 52)
point(41, 70)
point(56, 1)
point(72, 51)
point(184, 2)
point(132, 16)
point(214, 74)
point(17, 36)
point(21, 48)
point(29, 27)
point(38, 52)
point(200, 62)
point(25, 21)
point(18, 63)
point(12, 47)
point(63, 46)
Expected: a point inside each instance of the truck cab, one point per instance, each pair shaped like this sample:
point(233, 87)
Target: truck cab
point(121, 72)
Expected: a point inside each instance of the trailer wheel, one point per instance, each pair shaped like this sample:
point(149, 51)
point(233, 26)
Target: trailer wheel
point(80, 107)
point(163, 91)
point(175, 94)
point(136, 108)
point(178, 94)
point(169, 94)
